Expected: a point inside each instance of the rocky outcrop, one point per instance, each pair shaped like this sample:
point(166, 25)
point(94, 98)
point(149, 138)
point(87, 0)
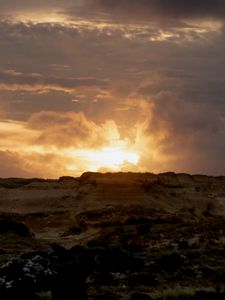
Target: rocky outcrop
point(113, 236)
point(7, 226)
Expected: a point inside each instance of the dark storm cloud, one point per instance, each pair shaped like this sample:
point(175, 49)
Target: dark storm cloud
point(156, 9)
point(60, 51)
point(10, 79)
point(14, 6)
point(43, 57)
point(22, 4)
point(193, 133)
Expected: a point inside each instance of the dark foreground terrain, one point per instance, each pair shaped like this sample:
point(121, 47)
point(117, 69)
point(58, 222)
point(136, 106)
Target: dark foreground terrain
point(113, 236)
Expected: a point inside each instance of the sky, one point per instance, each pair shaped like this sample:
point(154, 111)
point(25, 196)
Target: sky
point(112, 85)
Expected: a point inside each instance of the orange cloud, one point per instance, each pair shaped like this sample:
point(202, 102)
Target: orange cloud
point(144, 137)
point(71, 129)
point(52, 144)
point(34, 87)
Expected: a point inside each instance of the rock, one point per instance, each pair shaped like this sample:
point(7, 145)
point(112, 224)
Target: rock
point(172, 262)
point(220, 277)
point(188, 272)
point(104, 279)
point(143, 229)
point(2, 252)
point(27, 276)
point(142, 279)
point(11, 269)
point(31, 255)
point(183, 244)
point(207, 272)
point(66, 178)
point(140, 296)
point(76, 250)
point(69, 284)
point(58, 250)
point(73, 231)
point(106, 296)
point(15, 227)
point(205, 295)
point(117, 260)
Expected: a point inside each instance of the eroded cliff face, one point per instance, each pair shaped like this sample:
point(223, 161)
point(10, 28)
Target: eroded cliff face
point(130, 235)
point(94, 200)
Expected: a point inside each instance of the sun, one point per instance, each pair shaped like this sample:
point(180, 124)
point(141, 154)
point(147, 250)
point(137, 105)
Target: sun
point(112, 158)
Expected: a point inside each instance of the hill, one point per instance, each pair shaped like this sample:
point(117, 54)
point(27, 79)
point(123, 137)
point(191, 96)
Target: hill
point(168, 229)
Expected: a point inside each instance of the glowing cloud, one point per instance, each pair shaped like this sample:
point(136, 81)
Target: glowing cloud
point(110, 158)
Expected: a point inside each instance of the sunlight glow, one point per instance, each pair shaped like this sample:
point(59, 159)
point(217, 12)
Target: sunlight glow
point(24, 145)
point(110, 158)
point(40, 17)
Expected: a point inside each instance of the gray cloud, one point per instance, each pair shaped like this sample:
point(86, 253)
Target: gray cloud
point(11, 78)
point(11, 7)
point(191, 134)
point(138, 8)
point(158, 9)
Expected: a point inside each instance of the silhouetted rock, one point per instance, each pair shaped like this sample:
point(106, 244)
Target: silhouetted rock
point(69, 284)
point(15, 227)
point(143, 278)
point(24, 277)
point(115, 259)
point(140, 296)
point(73, 231)
point(58, 250)
point(144, 229)
point(172, 262)
point(104, 279)
point(183, 244)
point(207, 272)
point(3, 252)
point(106, 296)
point(66, 178)
point(205, 295)
point(31, 255)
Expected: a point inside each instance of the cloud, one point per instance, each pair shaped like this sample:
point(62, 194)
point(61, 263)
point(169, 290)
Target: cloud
point(11, 7)
point(33, 165)
point(13, 81)
point(51, 144)
point(12, 165)
point(168, 133)
point(187, 136)
point(157, 9)
point(72, 130)
point(149, 78)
